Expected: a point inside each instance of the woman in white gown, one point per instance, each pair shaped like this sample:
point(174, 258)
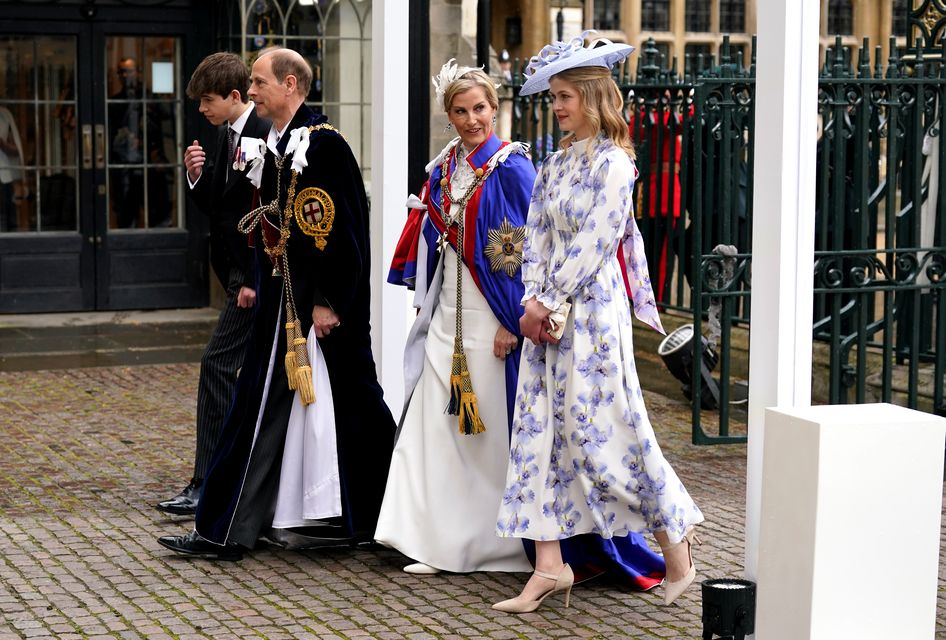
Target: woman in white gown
point(446, 474)
point(583, 458)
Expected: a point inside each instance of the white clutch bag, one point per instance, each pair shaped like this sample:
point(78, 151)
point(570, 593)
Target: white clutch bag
point(558, 319)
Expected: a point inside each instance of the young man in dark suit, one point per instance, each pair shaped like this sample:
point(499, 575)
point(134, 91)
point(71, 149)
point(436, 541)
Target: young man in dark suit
point(224, 193)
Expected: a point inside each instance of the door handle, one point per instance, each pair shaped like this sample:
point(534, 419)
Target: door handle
point(86, 146)
point(100, 146)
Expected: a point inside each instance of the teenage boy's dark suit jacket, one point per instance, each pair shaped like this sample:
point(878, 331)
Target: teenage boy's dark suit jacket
point(225, 199)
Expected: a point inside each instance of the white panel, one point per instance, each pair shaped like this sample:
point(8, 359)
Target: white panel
point(850, 530)
point(389, 144)
point(162, 77)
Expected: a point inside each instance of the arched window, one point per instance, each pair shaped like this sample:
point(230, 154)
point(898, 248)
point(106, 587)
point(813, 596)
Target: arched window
point(840, 17)
point(334, 36)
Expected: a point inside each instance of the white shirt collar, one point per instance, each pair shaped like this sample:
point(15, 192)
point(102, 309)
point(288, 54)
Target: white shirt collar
point(241, 121)
point(275, 137)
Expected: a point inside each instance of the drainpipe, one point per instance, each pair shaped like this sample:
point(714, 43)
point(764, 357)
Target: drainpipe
point(418, 82)
point(482, 34)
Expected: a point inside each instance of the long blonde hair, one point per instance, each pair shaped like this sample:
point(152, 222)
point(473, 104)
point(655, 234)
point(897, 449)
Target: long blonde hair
point(601, 104)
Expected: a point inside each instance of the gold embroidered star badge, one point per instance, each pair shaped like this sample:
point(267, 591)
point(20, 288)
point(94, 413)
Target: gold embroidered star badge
point(504, 248)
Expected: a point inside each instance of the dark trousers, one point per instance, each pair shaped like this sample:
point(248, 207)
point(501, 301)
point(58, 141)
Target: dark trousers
point(257, 502)
point(219, 366)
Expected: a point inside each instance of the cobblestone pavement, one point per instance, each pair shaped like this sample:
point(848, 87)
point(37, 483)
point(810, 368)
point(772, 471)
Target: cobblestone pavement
point(85, 453)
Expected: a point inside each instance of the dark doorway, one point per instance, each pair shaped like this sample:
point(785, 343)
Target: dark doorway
point(92, 126)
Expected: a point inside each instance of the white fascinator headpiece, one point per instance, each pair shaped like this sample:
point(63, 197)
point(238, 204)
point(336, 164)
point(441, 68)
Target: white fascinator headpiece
point(559, 56)
point(449, 73)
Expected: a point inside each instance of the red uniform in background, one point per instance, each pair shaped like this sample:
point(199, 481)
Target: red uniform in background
point(658, 133)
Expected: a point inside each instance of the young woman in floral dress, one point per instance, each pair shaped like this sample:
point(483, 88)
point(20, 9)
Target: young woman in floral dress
point(584, 458)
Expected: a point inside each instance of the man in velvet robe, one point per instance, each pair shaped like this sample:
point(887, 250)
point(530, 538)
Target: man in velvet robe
point(328, 274)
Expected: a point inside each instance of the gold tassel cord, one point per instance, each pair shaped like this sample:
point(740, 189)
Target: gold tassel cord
point(304, 381)
point(300, 376)
point(456, 378)
point(292, 332)
point(298, 367)
point(463, 402)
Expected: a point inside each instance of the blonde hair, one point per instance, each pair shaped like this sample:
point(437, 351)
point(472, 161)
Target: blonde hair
point(601, 104)
point(470, 80)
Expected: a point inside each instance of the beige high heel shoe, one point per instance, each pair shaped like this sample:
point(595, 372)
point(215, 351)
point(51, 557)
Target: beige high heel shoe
point(672, 590)
point(563, 582)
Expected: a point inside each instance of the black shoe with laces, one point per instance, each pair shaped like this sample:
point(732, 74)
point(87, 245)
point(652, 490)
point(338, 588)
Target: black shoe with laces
point(184, 503)
point(194, 545)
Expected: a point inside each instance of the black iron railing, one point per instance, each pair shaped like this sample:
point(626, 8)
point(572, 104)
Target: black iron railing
point(880, 291)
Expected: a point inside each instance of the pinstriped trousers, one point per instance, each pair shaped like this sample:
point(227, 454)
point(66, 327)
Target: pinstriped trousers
point(219, 366)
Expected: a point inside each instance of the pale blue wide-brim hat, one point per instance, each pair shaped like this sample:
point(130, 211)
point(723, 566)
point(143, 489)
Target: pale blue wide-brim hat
point(559, 56)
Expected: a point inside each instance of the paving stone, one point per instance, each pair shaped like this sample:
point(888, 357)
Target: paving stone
point(121, 438)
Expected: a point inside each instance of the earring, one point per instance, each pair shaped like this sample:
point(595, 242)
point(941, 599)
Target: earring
point(448, 127)
point(494, 120)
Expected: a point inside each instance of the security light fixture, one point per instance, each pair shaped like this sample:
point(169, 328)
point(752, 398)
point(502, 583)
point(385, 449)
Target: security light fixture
point(728, 608)
point(676, 350)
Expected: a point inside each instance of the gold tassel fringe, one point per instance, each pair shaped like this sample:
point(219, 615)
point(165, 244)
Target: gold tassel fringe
point(291, 363)
point(463, 401)
point(303, 372)
point(470, 422)
point(304, 385)
point(456, 378)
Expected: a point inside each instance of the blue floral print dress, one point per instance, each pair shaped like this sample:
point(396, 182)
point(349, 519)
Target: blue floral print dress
point(583, 456)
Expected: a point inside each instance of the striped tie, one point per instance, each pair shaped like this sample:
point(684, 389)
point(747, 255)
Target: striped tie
point(231, 148)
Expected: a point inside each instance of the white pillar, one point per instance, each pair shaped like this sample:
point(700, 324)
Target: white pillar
point(783, 228)
point(389, 105)
point(835, 476)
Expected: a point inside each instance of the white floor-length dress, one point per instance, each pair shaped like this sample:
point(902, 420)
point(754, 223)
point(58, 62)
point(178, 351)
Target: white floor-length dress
point(443, 487)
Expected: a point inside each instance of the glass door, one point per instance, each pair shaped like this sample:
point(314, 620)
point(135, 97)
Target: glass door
point(144, 123)
point(38, 136)
point(46, 263)
point(92, 208)
point(149, 258)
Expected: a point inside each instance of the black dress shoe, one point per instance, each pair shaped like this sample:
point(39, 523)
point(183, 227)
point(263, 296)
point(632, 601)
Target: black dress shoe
point(194, 545)
point(184, 503)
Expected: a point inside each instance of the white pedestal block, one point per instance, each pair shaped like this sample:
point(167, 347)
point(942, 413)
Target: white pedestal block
point(850, 531)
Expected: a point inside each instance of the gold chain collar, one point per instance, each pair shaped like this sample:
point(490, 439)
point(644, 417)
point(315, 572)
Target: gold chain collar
point(459, 204)
point(252, 219)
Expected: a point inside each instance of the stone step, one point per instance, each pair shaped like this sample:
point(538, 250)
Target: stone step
point(62, 341)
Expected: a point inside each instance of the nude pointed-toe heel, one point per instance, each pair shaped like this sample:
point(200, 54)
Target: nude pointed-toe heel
point(672, 590)
point(563, 582)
